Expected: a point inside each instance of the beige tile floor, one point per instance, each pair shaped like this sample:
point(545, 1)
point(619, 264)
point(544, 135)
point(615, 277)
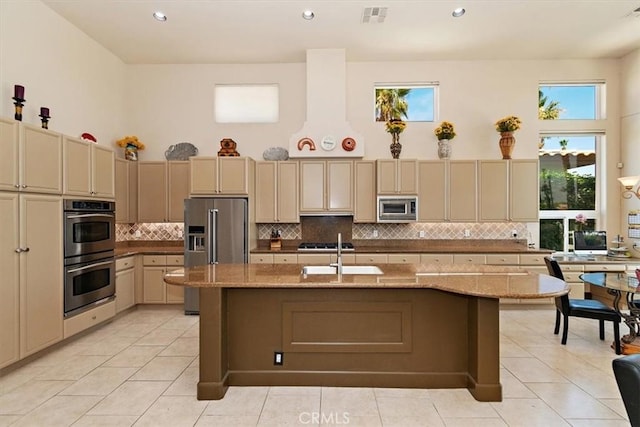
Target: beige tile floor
point(142, 368)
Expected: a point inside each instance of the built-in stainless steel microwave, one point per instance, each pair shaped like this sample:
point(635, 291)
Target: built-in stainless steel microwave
point(397, 208)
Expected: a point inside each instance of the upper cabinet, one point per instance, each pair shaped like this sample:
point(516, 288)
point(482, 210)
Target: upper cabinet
point(89, 169)
point(493, 185)
point(462, 191)
point(276, 198)
point(523, 190)
point(213, 176)
point(126, 189)
point(432, 191)
point(397, 176)
point(365, 191)
point(162, 188)
point(21, 165)
point(326, 186)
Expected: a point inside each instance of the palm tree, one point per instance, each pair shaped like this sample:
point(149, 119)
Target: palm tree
point(547, 110)
point(391, 104)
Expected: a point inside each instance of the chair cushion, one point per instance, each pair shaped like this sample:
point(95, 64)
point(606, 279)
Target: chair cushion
point(592, 308)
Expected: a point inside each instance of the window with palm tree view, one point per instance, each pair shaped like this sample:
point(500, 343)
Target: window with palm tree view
point(568, 163)
point(411, 103)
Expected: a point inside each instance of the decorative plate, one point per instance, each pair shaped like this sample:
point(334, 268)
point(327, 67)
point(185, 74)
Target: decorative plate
point(328, 143)
point(348, 144)
point(181, 151)
point(88, 137)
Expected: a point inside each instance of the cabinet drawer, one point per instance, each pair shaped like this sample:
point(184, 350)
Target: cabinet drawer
point(321, 259)
point(261, 259)
point(436, 259)
point(605, 267)
point(469, 259)
point(576, 290)
point(511, 259)
point(403, 258)
point(89, 318)
point(285, 259)
point(124, 263)
point(154, 260)
point(175, 260)
point(571, 267)
point(531, 259)
point(572, 276)
point(371, 258)
point(346, 258)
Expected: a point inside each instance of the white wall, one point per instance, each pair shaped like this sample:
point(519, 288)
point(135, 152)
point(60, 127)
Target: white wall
point(60, 67)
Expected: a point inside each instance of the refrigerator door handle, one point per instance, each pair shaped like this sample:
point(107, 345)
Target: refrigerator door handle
point(212, 255)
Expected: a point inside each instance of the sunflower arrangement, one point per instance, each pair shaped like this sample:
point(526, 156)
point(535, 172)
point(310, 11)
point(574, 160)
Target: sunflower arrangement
point(395, 126)
point(508, 124)
point(445, 131)
point(130, 141)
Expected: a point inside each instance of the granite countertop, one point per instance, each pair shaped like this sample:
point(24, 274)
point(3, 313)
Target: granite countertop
point(593, 259)
point(149, 247)
point(475, 280)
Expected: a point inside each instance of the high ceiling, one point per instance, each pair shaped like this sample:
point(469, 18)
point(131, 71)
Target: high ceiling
point(266, 31)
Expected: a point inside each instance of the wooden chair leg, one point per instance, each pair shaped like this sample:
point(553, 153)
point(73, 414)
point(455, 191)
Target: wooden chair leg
point(557, 327)
point(565, 329)
point(616, 337)
point(601, 322)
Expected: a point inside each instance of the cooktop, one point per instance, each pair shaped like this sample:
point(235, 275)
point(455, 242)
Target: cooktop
point(324, 246)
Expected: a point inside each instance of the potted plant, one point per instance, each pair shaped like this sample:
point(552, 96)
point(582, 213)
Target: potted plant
point(506, 126)
point(131, 145)
point(445, 134)
point(395, 127)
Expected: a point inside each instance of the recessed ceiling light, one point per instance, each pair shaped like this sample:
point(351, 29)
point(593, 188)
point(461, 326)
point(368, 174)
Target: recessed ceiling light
point(458, 12)
point(308, 15)
point(159, 16)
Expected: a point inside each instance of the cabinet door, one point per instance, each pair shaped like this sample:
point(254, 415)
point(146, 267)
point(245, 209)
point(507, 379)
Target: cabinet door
point(432, 191)
point(365, 192)
point(462, 191)
point(103, 164)
point(41, 167)
point(387, 176)
point(41, 283)
point(9, 136)
point(494, 190)
point(287, 192)
point(340, 185)
point(76, 167)
point(524, 188)
point(152, 191)
point(9, 284)
point(122, 190)
point(266, 192)
point(204, 175)
point(312, 185)
point(178, 189)
point(233, 176)
point(125, 289)
point(407, 177)
point(154, 286)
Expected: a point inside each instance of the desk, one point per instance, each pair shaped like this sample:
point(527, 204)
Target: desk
point(623, 287)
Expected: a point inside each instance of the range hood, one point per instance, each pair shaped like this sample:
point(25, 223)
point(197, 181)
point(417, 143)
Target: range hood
point(326, 132)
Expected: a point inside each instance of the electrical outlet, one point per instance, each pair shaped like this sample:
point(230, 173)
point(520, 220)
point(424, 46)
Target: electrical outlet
point(467, 233)
point(421, 233)
point(514, 233)
point(278, 358)
point(375, 233)
point(138, 233)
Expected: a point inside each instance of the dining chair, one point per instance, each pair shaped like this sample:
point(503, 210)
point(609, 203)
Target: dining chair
point(586, 308)
point(627, 372)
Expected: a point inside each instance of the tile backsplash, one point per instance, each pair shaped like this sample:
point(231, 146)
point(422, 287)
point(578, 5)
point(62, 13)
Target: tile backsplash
point(149, 231)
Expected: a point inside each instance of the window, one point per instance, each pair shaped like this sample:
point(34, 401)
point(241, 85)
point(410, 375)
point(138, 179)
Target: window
point(583, 101)
point(246, 103)
point(412, 103)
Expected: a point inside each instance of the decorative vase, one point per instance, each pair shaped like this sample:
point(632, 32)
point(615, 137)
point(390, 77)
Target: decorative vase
point(395, 146)
point(507, 142)
point(131, 152)
point(444, 149)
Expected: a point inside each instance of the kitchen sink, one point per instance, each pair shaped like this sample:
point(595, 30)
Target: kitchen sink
point(346, 269)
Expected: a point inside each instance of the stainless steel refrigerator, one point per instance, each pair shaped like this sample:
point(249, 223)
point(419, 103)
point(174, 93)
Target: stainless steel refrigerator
point(215, 231)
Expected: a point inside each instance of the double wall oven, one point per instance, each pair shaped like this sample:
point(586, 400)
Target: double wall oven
point(89, 245)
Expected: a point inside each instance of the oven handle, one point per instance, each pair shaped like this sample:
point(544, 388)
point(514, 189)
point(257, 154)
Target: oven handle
point(89, 216)
point(73, 270)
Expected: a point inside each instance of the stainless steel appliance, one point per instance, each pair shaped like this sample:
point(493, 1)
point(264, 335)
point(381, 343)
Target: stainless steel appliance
point(89, 264)
point(216, 231)
point(397, 208)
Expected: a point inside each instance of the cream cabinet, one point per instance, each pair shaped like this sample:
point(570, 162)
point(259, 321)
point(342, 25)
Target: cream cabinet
point(89, 319)
point(493, 185)
point(155, 290)
point(31, 158)
point(403, 258)
point(462, 191)
point(364, 205)
point(469, 259)
point(212, 176)
point(88, 169)
point(125, 283)
point(397, 176)
point(524, 190)
point(432, 191)
point(276, 195)
point(326, 186)
point(261, 258)
point(436, 258)
point(162, 188)
point(371, 259)
point(10, 282)
point(126, 191)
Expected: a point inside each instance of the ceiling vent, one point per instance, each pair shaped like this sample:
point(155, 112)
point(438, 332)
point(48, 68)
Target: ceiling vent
point(374, 15)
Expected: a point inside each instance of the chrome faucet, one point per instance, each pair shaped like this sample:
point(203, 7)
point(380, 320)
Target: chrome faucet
point(338, 263)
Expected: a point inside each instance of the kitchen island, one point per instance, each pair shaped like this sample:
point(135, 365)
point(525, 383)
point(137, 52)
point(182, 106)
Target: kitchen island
point(414, 326)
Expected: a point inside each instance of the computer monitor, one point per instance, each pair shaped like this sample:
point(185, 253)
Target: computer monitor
point(590, 242)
